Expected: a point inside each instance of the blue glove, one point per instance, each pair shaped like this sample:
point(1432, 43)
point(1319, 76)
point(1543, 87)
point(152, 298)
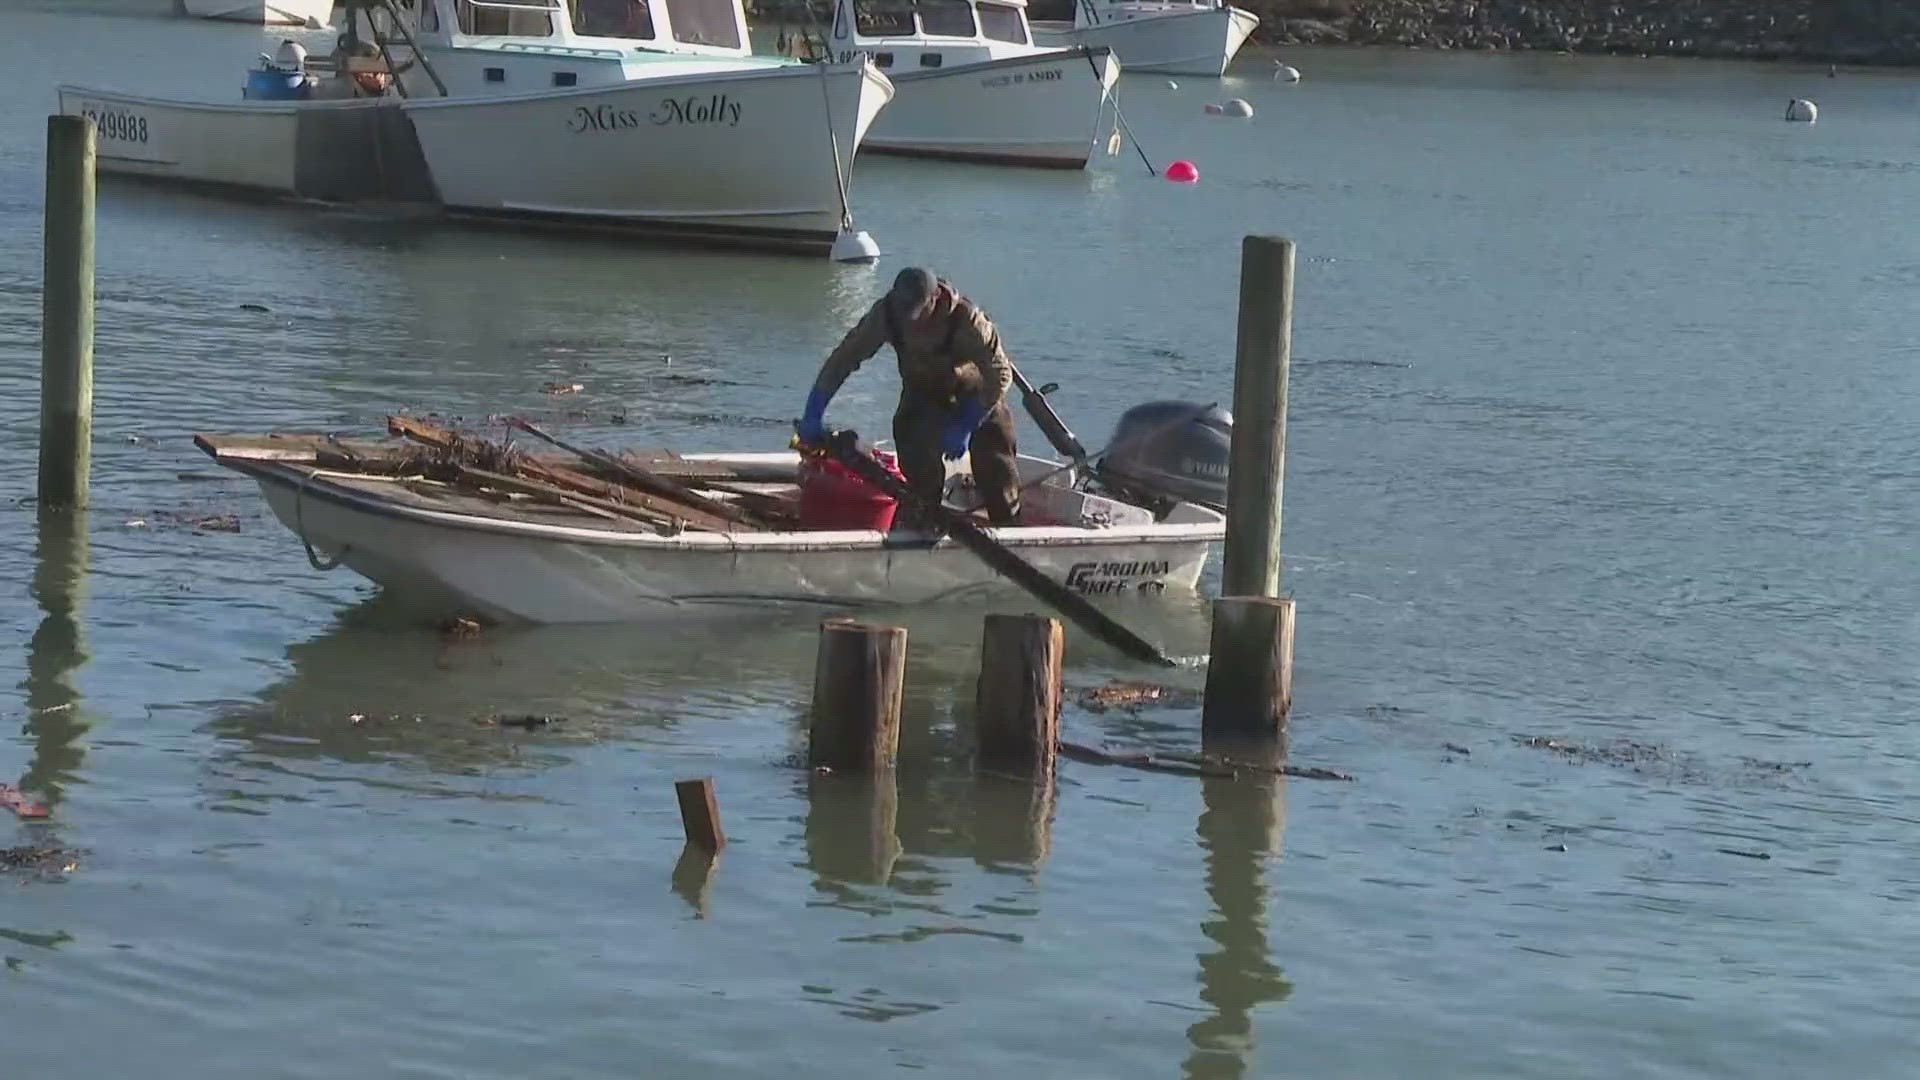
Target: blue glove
point(959, 432)
point(812, 426)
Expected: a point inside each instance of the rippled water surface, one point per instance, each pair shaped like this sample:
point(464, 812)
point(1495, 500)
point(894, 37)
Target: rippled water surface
point(1603, 431)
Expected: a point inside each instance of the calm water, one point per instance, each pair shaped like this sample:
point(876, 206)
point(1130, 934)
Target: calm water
point(1603, 428)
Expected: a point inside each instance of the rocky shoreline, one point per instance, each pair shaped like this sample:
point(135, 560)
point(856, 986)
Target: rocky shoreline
point(1849, 31)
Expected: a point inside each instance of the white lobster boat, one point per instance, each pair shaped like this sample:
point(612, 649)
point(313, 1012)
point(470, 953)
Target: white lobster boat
point(971, 85)
point(606, 115)
point(1171, 37)
point(312, 14)
point(457, 553)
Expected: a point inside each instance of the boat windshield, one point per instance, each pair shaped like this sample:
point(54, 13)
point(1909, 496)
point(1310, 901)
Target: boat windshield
point(882, 18)
point(1002, 22)
point(946, 18)
point(704, 22)
point(494, 18)
point(613, 19)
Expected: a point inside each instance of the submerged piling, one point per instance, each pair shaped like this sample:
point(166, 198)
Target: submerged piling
point(1249, 670)
point(859, 675)
point(66, 322)
point(1016, 714)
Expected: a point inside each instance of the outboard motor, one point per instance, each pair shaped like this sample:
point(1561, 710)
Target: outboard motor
point(1170, 450)
point(282, 76)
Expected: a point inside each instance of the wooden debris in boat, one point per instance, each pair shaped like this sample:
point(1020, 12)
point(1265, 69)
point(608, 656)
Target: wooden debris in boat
point(637, 475)
point(606, 508)
point(500, 466)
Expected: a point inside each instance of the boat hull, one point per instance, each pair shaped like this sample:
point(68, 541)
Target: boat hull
point(515, 572)
point(1199, 43)
point(325, 150)
point(1041, 110)
point(742, 155)
point(313, 13)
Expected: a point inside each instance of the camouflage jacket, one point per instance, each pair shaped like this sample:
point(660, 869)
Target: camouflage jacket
point(957, 350)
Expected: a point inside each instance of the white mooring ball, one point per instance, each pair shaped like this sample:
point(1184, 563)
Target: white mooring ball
point(1171, 85)
point(1802, 111)
point(1287, 73)
point(854, 245)
point(1212, 108)
point(1237, 107)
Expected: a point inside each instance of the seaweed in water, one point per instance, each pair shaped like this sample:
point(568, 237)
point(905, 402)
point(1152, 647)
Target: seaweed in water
point(40, 860)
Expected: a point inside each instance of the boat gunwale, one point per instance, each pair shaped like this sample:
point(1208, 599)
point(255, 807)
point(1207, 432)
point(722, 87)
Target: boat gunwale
point(1048, 55)
point(254, 107)
point(308, 483)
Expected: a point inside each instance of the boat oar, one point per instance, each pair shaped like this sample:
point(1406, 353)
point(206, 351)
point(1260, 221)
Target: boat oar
point(845, 447)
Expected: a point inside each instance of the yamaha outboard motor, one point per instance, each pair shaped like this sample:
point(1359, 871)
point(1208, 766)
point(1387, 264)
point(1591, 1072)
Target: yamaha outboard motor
point(1170, 450)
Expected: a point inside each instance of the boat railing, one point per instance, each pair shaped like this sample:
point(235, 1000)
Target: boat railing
point(560, 50)
point(551, 6)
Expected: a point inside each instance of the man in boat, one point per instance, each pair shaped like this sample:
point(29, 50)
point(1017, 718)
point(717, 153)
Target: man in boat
point(954, 376)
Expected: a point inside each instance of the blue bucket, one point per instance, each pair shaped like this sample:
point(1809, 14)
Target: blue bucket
point(270, 85)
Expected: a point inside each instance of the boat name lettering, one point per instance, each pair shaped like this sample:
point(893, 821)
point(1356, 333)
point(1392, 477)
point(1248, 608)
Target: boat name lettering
point(712, 109)
point(116, 125)
point(1100, 578)
point(1014, 78)
point(602, 118)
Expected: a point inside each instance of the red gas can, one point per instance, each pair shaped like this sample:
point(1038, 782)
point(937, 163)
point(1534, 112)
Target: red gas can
point(832, 497)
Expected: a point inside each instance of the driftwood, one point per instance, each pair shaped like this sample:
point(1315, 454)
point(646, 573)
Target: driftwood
point(637, 475)
point(1206, 765)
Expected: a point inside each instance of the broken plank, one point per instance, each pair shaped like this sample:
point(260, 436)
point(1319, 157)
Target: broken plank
point(562, 497)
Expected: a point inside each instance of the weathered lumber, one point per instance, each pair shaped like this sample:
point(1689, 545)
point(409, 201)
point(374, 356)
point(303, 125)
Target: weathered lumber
point(562, 497)
point(636, 475)
point(1192, 764)
point(858, 677)
point(1016, 711)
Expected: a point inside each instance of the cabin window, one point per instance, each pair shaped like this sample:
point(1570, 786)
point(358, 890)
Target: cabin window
point(566, 78)
point(495, 74)
point(946, 18)
point(520, 18)
point(882, 18)
point(630, 19)
point(930, 59)
point(704, 22)
point(1002, 22)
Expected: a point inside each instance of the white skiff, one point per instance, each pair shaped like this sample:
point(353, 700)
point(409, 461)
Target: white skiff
point(466, 555)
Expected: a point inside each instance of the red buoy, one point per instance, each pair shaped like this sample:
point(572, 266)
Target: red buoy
point(1183, 172)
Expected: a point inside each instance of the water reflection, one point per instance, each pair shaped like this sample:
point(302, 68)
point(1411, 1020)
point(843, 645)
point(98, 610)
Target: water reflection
point(55, 654)
point(1240, 828)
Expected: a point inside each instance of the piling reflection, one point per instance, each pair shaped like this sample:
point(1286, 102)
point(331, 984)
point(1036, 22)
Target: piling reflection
point(1240, 828)
point(852, 832)
point(56, 653)
point(1012, 826)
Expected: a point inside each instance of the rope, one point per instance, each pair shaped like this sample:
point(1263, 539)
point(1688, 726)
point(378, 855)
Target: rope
point(1121, 117)
point(300, 527)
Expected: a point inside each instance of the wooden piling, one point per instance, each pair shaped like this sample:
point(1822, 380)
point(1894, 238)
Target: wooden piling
point(700, 814)
point(1016, 714)
point(66, 322)
point(1249, 670)
point(1251, 559)
point(858, 677)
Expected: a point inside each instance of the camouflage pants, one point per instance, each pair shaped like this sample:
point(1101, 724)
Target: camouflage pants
point(918, 427)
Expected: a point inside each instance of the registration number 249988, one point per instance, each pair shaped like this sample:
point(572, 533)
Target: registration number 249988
point(118, 126)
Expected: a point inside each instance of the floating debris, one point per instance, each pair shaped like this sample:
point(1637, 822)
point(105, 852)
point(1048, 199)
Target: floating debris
point(46, 860)
point(12, 798)
point(1557, 847)
point(1134, 696)
point(558, 388)
point(224, 523)
point(528, 722)
point(459, 627)
point(256, 308)
point(1457, 749)
point(1623, 752)
point(1745, 854)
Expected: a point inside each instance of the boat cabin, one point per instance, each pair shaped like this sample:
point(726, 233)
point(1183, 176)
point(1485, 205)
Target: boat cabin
point(526, 46)
point(906, 36)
